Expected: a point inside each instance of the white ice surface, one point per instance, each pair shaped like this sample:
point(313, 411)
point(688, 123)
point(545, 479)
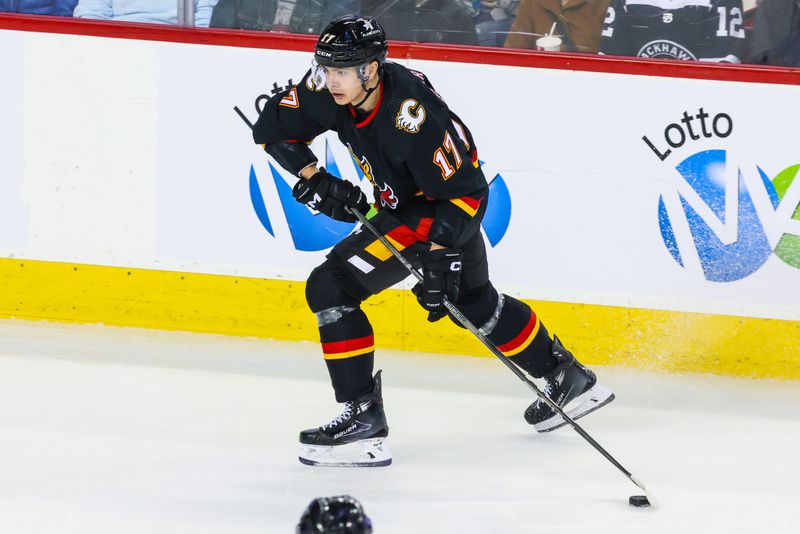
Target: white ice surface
point(106, 430)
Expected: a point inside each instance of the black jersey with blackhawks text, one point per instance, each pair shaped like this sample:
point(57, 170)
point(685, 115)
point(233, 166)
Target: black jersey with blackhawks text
point(415, 151)
point(705, 30)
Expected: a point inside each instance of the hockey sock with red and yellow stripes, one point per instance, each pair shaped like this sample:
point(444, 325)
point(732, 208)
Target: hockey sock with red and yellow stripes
point(348, 347)
point(521, 336)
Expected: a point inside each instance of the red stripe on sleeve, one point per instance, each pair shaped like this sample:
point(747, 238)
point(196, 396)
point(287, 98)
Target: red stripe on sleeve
point(471, 202)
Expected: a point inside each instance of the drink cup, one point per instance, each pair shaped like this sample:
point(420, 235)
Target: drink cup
point(551, 43)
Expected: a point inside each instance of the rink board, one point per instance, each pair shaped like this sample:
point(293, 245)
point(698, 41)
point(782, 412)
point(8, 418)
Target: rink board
point(605, 335)
point(653, 219)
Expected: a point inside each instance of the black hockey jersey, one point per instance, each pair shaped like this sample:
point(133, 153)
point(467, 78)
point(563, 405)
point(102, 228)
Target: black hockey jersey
point(705, 30)
point(415, 152)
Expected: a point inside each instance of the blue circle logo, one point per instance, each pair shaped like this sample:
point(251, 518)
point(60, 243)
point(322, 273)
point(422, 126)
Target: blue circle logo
point(312, 232)
point(727, 234)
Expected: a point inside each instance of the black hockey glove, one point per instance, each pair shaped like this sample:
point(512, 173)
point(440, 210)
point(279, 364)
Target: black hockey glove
point(330, 196)
point(441, 276)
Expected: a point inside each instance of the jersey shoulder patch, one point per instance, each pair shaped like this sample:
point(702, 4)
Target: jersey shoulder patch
point(411, 116)
point(291, 100)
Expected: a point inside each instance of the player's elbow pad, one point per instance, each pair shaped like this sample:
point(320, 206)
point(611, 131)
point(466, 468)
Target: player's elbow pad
point(292, 156)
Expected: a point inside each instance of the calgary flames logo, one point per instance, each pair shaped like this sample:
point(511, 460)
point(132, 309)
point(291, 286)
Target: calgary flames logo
point(411, 116)
point(388, 197)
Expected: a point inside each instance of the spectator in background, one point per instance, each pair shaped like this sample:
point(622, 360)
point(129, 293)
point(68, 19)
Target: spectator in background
point(776, 34)
point(578, 23)
point(424, 21)
point(153, 11)
point(58, 8)
point(492, 19)
point(704, 30)
point(295, 16)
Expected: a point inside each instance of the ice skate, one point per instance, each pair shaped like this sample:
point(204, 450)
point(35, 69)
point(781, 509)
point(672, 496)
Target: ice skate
point(574, 389)
point(355, 438)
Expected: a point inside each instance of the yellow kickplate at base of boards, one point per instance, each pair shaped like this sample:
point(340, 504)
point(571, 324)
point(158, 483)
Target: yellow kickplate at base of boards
point(659, 340)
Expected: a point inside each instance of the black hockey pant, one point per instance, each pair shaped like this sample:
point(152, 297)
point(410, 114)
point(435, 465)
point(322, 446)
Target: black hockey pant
point(361, 266)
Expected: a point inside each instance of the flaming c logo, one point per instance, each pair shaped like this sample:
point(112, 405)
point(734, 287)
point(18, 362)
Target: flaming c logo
point(410, 117)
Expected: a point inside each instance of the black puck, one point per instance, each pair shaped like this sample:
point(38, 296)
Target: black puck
point(639, 501)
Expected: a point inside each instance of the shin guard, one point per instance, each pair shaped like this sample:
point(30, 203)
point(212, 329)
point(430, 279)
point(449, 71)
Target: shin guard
point(348, 347)
point(521, 336)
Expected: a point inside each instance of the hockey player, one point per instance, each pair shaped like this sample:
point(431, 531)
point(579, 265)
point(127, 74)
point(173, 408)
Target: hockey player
point(704, 30)
point(430, 196)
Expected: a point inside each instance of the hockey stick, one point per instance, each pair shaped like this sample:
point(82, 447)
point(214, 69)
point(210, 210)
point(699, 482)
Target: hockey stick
point(455, 312)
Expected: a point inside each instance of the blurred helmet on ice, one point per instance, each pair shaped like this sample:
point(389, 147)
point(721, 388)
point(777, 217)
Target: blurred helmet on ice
point(341, 514)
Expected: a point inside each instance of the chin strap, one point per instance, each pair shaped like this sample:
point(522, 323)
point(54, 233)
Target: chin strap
point(368, 91)
point(366, 96)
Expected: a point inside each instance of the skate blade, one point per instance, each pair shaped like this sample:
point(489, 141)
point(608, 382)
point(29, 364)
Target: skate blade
point(363, 453)
point(597, 397)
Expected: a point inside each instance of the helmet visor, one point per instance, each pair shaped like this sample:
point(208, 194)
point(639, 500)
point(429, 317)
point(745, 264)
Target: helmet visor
point(337, 79)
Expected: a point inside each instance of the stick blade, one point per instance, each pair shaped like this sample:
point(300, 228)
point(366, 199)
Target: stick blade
point(648, 496)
